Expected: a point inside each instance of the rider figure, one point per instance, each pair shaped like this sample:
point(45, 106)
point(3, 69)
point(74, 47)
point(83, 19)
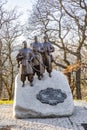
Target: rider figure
point(24, 57)
point(37, 49)
point(48, 48)
point(36, 46)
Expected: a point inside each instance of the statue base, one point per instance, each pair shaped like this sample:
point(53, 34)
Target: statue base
point(49, 97)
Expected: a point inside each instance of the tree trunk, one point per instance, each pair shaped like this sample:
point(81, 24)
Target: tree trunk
point(78, 78)
point(10, 97)
point(0, 69)
point(78, 85)
point(69, 77)
point(0, 79)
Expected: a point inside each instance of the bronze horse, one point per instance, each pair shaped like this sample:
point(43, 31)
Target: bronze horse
point(38, 66)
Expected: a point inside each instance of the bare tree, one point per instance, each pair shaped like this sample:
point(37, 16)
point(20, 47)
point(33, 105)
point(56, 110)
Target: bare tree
point(0, 68)
point(77, 11)
point(2, 12)
point(65, 23)
point(11, 29)
point(47, 19)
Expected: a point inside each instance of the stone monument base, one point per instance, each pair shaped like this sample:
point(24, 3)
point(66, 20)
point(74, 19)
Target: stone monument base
point(49, 97)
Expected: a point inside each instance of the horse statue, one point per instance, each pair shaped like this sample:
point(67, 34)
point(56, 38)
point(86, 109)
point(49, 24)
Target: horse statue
point(38, 66)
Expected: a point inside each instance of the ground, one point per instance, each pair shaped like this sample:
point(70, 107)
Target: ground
point(78, 121)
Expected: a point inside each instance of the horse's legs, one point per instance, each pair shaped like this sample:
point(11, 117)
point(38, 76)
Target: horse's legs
point(38, 71)
point(49, 69)
point(48, 65)
point(40, 74)
point(23, 78)
point(50, 74)
point(30, 78)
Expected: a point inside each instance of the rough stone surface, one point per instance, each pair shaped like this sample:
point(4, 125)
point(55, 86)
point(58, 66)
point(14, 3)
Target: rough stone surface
point(27, 105)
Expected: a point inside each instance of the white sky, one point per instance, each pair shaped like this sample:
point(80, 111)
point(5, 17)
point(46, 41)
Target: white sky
point(22, 5)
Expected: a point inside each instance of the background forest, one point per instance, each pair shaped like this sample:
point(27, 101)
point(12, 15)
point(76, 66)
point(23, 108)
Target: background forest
point(64, 22)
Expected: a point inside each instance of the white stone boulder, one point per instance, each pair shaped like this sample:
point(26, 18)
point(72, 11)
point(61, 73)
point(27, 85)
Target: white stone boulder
point(27, 105)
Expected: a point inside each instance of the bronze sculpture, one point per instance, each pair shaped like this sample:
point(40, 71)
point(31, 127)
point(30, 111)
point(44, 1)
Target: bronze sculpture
point(35, 60)
point(38, 61)
point(47, 56)
point(24, 58)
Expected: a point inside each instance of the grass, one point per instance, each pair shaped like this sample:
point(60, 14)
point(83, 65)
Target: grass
point(5, 102)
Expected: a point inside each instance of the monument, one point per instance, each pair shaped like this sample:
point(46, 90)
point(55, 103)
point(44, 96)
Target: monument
point(49, 97)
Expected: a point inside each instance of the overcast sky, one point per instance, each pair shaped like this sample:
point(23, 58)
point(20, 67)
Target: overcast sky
point(23, 6)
